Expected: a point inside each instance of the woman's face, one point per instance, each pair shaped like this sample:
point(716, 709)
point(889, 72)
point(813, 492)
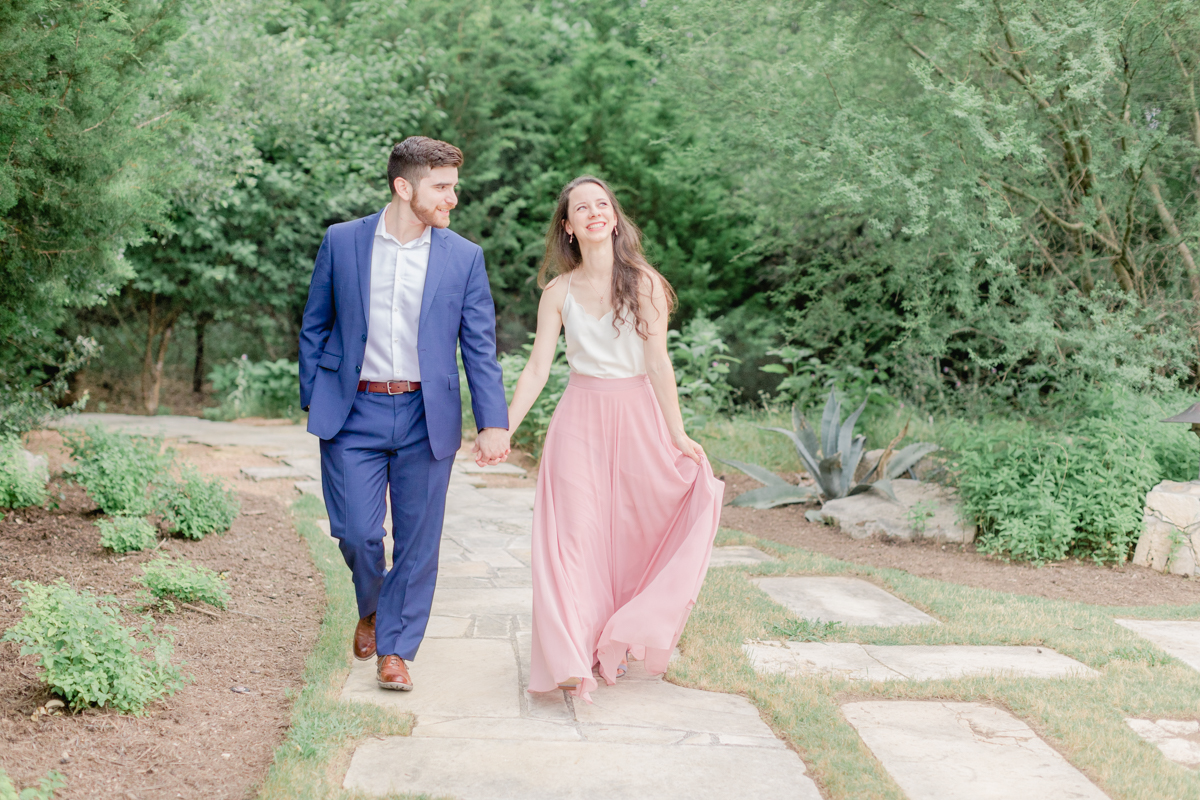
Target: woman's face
point(590, 214)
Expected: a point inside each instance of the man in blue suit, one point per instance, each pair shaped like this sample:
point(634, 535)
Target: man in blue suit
point(392, 297)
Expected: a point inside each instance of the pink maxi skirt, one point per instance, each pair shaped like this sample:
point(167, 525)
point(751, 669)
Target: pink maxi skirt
point(623, 526)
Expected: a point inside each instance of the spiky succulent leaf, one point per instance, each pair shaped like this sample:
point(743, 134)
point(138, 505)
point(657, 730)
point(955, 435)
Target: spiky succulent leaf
point(760, 474)
point(829, 424)
point(830, 476)
point(772, 496)
point(885, 486)
point(852, 460)
point(907, 458)
point(808, 457)
point(806, 434)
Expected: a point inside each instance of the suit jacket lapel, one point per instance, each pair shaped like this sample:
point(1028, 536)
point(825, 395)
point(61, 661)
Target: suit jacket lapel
point(438, 251)
point(364, 239)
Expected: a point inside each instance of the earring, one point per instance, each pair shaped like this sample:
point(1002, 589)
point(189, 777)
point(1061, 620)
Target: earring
point(570, 238)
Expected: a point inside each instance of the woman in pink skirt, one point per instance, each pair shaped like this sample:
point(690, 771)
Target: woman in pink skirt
point(627, 505)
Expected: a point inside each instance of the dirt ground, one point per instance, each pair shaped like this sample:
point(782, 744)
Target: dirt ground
point(1085, 582)
point(205, 741)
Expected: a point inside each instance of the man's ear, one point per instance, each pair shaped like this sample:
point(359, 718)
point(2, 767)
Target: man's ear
point(402, 188)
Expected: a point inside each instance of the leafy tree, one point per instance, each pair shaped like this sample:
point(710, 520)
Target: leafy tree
point(948, 189)
point(83, 172)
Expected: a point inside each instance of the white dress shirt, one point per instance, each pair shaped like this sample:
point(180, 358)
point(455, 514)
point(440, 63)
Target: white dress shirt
point(397, 284)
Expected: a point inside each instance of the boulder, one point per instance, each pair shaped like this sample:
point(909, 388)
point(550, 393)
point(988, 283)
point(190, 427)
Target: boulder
point(1170, 541)
point(924, 469)
point(38, 465)
point(873, 512)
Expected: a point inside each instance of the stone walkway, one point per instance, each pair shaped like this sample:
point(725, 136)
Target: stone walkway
point(480, 736)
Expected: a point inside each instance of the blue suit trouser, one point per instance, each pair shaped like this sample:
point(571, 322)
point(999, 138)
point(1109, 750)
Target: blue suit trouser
point(384, 446)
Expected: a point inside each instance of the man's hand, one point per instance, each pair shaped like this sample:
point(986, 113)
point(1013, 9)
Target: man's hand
point(491, 447)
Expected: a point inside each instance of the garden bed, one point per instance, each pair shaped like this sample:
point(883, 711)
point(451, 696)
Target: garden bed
point(206, 740)
point(1084, 582)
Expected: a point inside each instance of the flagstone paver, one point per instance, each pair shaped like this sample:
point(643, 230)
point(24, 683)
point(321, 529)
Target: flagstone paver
point(866, 662)
point(480, 736)
point(1180, 638)
point(851, 601)
point(1178, 740)
point(964, 751)
point(273, 473)
point(739, 556)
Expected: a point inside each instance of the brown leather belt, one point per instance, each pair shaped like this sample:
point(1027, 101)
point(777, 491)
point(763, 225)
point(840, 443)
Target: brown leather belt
point(389, 387)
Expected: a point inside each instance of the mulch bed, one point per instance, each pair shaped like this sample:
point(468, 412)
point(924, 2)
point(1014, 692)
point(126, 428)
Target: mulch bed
point(1084, 582)
point(205, 741)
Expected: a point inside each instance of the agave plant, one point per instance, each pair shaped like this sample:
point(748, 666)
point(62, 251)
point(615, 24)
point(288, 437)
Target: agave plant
point(832, 459)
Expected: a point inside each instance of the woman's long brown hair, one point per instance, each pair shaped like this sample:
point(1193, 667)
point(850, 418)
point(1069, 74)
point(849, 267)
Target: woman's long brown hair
point(629, 262)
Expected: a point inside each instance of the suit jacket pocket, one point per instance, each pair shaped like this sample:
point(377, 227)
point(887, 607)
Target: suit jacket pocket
point(329, 361)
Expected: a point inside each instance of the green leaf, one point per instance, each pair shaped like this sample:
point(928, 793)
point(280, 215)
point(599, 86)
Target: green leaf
point(760, 474)
point(772, 496)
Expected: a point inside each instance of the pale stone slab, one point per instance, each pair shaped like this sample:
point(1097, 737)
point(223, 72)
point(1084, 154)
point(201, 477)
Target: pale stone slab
point(850, 601)
point(939, 662)
point(494, 557)
point(1180, 638)
point(738, 556)
point(870, 513)
point(309, 466)
point(464, 602)
point(452, 678)
point(515, 499)
point(463, 569)
point(529, 730)
point(835, 660)
point(309, 487)
point(471, 468)
point(911, 662)
point(448, 627)
point(640, 700)
point(964, 751)
point(1178, 740)
point(473, 769)
point(272, 473)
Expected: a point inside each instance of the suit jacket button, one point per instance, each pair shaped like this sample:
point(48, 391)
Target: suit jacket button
point(358, 369)
point(364, 337)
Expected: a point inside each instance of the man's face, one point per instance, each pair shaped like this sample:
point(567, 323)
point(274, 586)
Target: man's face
point(435, 196)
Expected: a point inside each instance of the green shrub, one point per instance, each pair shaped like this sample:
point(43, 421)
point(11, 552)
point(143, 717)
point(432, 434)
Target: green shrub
point(532, 432)
point(195, 505)
point(124, 534)
point(117, 469)
point(256, 389)
point(45, 789)
point(183, 581)
point(698, 354)
point(21, 484)
point(87, 656)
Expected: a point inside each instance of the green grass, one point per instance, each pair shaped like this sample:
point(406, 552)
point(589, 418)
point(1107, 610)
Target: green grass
point(311, 762)
point(1081, 718)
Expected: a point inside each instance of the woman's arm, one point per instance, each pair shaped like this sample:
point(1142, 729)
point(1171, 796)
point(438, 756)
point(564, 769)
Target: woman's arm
point(659, 369)
point(545, 343)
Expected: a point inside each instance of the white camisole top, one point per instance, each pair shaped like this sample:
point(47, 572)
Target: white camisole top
point(595, 348)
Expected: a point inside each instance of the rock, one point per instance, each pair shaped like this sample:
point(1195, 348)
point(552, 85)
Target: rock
point(38, 465)
point(871, 512)
point(924, 468)
point(1170, 541)
point(55, 705)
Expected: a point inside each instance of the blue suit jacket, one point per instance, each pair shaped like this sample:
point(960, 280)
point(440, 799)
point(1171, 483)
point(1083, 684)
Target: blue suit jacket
point(456, 308)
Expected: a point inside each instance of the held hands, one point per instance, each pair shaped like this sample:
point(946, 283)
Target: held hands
point(688, 447)
point(491, 447)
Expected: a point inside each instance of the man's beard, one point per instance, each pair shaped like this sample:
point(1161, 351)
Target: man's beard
point(426, 214)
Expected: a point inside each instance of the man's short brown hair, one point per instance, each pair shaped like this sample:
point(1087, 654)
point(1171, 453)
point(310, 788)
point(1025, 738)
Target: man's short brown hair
point(415, 156)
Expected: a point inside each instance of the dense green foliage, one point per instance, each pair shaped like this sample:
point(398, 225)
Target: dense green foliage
point(195, 505)
point(21, 484)
point(167, 579)
point(125, 534)
point(47, 786)
point(117, 469)
point(84, 169)
point(997, 195)
point(256, 389)
point(87, 656)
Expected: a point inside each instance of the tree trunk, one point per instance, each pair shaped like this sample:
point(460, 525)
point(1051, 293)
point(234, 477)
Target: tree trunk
point(156, 378)
point(198, 369)
point(152, 364)
point(1168, 221)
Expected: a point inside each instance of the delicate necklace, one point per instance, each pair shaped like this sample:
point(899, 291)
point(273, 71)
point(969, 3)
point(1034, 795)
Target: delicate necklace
point(592, 286)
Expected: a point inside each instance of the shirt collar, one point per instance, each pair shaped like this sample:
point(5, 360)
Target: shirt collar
point(423, 240)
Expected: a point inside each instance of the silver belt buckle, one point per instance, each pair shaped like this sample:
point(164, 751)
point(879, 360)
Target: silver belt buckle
point(389, 387)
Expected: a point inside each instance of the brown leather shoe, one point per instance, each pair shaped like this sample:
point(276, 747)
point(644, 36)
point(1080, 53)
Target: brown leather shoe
point(364, 638)
point(390, 673)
